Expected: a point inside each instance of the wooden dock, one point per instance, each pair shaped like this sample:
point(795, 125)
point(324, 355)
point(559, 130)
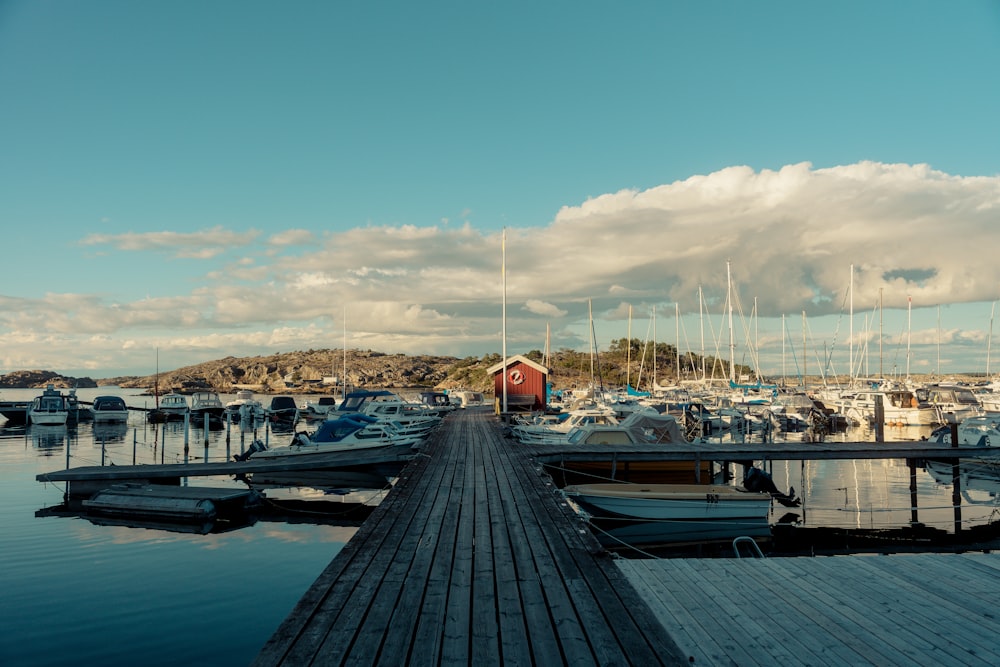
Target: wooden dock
point(86, 480)
point(473, 558)
point(904, 609)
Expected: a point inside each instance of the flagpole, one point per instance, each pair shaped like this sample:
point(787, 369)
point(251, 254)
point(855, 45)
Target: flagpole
point(503, 281)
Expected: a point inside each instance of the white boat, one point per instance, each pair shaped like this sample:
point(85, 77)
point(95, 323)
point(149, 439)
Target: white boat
point(206, 403)
point(245, 407)
point(900, 407)
point(648, 427)
point(955, 403)
point(318, 409)
point(980, 431)
point(174, 406)
point(49, 409)
point(546, 432)
point(336, 435)
point(464, 398)
point(405, 415)
point(109, 410)
point(674, 502)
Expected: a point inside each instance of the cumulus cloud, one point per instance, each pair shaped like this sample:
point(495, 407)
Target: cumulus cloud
point(203, 244)
point(542, 308)
point(789, 238)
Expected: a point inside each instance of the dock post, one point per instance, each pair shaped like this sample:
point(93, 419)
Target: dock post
point(879, 419)
point(187, 434)
point(956, 481)
point(135, 442)
point(913, 491)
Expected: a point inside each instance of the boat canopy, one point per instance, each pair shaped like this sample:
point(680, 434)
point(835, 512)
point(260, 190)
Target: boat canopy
point(356, 399)
point(335, 430)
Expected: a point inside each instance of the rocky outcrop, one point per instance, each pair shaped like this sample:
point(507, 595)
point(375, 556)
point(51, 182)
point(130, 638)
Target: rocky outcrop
point(41, 379)
point(312, 371)
point(308, 372)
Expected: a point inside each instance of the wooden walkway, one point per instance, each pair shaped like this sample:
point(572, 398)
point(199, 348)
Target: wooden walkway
point(471, 559)
point(925, 609)
point(85, 480)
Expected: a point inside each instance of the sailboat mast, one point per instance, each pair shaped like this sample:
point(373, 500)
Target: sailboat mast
point(805, 358)
point(909, 321)
point(701, 323)
point(590, 313)
point(677, 326)
point(343, 383)
point(628, 356)
point(880, 375)
point(784, 375)
point(850, 337)
point(989, 339)
point(732, 343)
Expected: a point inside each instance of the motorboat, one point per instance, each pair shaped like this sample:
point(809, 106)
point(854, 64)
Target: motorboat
point(335, 435)
point(245, 407)
point(109, 409)
point(206, 403)
point(673, 502)
point(645, 427)
point(979, 431)
point(465, 398)
point(546, 432)
point(954, 402)
point(900, 407)
point(406, 416)
point(437, 400)
point(51, 408)
point(15, 412)
point(283, 412)
point(170, 407)
point(318, 409)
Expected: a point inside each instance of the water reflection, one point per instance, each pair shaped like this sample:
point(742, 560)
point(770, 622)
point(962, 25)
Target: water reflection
point(48, 437)
point(978, 481)
point(109, 432)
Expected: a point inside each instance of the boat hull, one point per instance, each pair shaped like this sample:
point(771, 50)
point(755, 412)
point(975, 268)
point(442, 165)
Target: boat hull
point(676, 502)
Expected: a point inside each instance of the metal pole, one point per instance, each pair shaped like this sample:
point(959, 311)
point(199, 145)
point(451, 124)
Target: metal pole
point(956, 482)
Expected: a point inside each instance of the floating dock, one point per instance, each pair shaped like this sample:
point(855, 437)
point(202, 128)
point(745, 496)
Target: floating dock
point(475, 558)
point(171, 503)
point(87, 480)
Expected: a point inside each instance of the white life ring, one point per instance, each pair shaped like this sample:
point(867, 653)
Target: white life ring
point(516, 376)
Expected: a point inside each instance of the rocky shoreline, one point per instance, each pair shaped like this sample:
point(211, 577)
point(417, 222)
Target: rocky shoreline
point(313, 371)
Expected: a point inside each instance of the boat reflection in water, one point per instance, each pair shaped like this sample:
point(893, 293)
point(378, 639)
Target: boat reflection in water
point(48, 436)
point(618, 533)
point(110, 431)
point(974, 477)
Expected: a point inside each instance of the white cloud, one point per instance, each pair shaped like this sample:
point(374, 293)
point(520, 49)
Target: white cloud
point(542, 308)
point(790, 236)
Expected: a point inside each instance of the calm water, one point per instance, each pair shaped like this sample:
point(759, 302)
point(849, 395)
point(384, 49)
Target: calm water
point(74, 591)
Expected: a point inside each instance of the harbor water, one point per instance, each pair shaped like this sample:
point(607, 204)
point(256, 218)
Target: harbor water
point(76, 590)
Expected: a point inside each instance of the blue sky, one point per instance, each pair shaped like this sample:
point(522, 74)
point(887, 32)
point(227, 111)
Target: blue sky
point(192, 180)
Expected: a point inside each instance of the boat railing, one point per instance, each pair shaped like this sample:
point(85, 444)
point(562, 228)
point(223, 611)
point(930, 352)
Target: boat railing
point(752, 548)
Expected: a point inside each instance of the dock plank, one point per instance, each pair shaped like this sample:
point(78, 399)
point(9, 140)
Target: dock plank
point(472, 559)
